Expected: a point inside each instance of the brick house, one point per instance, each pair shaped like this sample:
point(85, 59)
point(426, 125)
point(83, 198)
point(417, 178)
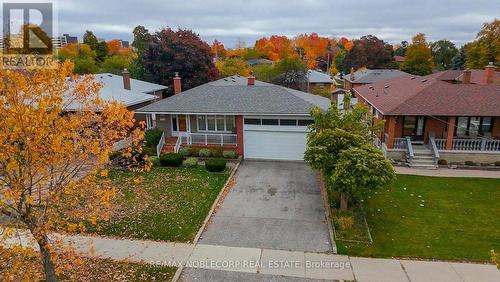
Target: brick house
point(258, 120)
point(452, 115)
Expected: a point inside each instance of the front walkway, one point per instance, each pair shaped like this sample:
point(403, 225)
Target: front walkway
point(273, 205)
point(447, 172)
point(254, 264)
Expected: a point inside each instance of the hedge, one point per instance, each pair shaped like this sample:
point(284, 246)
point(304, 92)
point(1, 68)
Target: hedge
point(215, 165)
point(171, 159)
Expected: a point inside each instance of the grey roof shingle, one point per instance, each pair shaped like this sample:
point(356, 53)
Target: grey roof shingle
point(233, 95)
point(372, 76)
point(315, 76)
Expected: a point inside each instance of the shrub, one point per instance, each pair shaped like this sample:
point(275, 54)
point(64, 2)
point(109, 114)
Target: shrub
point(204, 153)
point(152, 137)
point(217, 153)
point(155, 160)
point(442, 162)
point(497, 163)
point(469, 163)
point(195, 151)
point(185, 151)
point(229, 154)
point(150, 151)
point(171, 159)
point(191, 162)
point(215, 165)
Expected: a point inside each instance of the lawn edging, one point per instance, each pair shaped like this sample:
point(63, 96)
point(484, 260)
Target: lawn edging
point(178, 273)
point(326, 206)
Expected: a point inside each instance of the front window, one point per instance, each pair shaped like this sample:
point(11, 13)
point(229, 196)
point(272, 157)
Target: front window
point(474, 126)
point(217, 123)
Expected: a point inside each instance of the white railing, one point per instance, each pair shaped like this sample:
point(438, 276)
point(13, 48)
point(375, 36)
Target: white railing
point(160, 145)
point(178, 144)
point(434, 149)
point(211, 138)
point(400, 143)
point(376, 142)
point(440, 144)
point(476, 145)
point(409, 147)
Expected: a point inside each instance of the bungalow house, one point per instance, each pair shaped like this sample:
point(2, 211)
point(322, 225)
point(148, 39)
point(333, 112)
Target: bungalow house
point(452, 115)
point(365, 76)
point(133, 93)
point(257, 119)
point(318, 79)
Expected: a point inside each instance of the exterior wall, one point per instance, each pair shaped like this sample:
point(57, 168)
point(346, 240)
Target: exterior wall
point(397, 155)
point(239, 135)
point(194, 124)
point(434, 127)
point(463, 156)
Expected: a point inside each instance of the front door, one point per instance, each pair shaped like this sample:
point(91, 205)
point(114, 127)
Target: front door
point(413, 127)
point(182, 123)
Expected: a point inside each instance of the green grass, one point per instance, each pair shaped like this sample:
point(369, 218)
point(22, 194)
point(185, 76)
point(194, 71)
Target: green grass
point(169, 204)
point(432, 217)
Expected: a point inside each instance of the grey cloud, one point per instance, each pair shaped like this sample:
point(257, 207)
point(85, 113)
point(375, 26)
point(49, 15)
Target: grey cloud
point(230, 21)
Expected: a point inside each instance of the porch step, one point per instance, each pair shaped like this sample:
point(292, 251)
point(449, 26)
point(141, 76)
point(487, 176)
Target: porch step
point(423, 166)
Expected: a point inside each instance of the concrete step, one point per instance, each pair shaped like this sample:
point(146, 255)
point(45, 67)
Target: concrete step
point(423, 162)
point(422, 166)
point(423, 157)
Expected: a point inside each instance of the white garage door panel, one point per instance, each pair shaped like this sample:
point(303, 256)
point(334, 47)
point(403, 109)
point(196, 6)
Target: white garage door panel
point(274, 145)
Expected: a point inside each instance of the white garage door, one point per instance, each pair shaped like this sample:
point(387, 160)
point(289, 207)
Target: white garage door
point(274, 142)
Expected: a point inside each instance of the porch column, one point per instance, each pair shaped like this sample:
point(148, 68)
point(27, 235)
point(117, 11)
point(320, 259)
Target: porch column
point(239, 134)
point(390, 130)
point(153, 120)
point(449, 134)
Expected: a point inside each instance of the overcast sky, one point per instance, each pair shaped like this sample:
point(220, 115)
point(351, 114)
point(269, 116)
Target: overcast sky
point(230, 21)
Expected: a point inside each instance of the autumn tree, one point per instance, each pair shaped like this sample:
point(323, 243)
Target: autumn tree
point(486, 47)
point(339, 146)
point(369, 52)
point(90, 39)
point(311, 46)
point(418, 58)
point(82, 56)
point(291, 73)
point(141, 38)
point(49, 157)
point(218, 49)
point(443, 52)
point(232, 66)
point(274, 48)
point(170, 51)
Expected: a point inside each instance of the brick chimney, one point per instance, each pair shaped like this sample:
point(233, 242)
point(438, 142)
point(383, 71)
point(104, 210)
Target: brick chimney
point(466, 76)
point(489, 73)
point(251, 79)
point(353, 77)
point(177, 84)
point(126, 79)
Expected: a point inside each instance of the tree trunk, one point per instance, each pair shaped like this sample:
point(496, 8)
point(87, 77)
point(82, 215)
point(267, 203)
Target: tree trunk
point(344, 199)
point(48, 265)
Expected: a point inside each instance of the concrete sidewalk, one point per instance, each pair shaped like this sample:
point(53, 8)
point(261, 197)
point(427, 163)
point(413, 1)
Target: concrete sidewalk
point(447, 172)
point(209, 260)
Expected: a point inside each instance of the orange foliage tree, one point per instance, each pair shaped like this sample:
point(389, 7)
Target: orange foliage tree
point(313, 46)
point(114, 47)
point(51, 159)
point(218, 49)
point(274, 48)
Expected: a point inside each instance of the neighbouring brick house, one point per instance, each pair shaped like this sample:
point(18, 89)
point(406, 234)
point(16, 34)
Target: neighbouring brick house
point(452, 115)
point(258, 120)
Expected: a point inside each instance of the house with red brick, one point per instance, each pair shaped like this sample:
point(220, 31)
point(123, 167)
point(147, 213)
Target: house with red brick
point(258, 120)
point(452, 115)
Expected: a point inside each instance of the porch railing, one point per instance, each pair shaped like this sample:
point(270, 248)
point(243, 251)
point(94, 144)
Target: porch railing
point(208, 139)
point(434, 149)
point(178, 145)
point(400, 143)
point(409, 146)
point(160, 145)
point(471, 144)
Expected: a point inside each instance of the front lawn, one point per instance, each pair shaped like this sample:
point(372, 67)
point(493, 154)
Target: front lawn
point(432, 217)
point(169, 204)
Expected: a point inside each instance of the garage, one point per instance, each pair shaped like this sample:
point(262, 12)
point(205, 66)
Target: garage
point(273, 138)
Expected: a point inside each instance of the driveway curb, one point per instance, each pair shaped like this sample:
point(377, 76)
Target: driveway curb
point(178, 273)
point(324, 197)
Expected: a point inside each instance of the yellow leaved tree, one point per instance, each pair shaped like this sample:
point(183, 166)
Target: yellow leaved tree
point(52, 159)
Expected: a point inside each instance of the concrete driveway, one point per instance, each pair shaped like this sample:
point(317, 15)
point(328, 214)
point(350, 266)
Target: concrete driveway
point(274, 205)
